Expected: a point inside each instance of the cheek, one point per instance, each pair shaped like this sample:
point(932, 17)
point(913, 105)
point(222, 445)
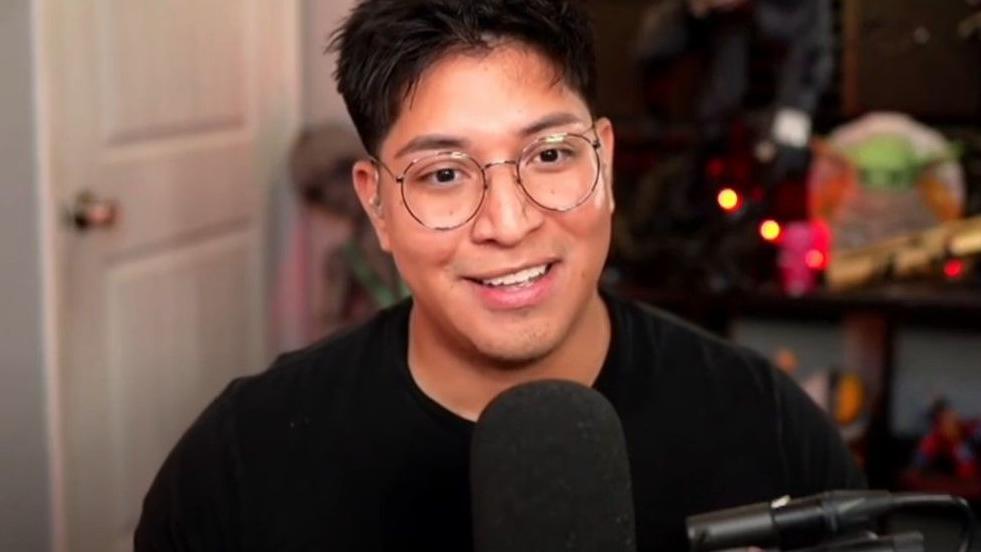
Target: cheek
point(602, 198)
point(592, 221)
point(591, 231)
point(419, 253)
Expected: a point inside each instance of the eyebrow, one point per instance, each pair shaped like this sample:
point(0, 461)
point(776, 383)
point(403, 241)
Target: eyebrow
point(428, 142)
point(549, 121)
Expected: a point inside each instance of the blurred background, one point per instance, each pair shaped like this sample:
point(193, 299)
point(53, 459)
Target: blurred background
point(802, 176)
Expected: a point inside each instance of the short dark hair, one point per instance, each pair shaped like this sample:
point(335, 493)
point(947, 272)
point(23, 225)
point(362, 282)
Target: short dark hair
point(385, 45)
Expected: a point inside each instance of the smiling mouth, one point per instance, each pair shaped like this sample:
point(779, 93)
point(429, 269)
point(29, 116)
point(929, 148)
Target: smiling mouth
point(516, 280)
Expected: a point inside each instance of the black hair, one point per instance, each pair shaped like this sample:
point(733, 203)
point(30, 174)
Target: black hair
point(384, 46)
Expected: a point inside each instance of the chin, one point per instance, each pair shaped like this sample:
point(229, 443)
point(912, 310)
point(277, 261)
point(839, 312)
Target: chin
point(516, 347)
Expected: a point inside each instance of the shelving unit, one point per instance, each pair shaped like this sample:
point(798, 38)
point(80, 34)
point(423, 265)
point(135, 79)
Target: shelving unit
point(870, 322)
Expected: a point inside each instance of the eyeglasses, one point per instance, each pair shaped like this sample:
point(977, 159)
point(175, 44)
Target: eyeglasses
point(445, 190)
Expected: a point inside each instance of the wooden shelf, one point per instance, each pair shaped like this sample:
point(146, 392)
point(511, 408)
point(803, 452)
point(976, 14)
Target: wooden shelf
point(869, 320)
point(948, 307)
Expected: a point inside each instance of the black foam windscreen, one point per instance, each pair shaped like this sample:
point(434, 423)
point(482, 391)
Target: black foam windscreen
point(549, 472)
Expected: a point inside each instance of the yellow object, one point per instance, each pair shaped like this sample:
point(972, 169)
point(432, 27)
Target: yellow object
point(938, 196)
point(770, 230)
point(728, 199)
point(849, 399)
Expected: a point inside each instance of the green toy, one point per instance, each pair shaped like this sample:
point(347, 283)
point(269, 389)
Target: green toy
point(884, 176)
point(889, 162)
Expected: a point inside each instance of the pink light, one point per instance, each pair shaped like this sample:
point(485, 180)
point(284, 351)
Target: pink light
point(815, 260)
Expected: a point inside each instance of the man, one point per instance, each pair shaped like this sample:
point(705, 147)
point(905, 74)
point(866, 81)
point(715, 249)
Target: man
point(491, 186)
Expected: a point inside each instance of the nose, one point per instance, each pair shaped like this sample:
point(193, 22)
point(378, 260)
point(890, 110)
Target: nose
point(507, 215)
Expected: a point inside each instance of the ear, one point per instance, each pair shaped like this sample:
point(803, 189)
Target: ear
point(604, 130)
point(366, 178)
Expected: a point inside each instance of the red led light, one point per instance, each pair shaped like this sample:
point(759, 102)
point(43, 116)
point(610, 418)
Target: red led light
point(716, 168)
point(954, 269)
point(815, 260)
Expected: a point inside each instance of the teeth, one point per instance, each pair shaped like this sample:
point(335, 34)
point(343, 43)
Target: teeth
point(520, 277)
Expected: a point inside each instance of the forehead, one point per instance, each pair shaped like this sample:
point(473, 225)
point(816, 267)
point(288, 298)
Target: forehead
point(484, 95)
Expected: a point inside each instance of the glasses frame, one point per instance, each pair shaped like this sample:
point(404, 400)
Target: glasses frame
point(595, 143)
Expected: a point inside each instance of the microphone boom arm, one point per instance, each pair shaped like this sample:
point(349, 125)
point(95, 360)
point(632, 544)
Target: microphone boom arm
point(798, 523)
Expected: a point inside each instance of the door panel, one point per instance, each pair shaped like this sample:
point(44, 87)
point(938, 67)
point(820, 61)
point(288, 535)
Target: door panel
point(175, 190)
point(171, 68)
point(177, 331)
point(181, 113)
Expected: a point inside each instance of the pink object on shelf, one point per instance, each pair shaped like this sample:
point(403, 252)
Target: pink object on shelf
point(804, 252)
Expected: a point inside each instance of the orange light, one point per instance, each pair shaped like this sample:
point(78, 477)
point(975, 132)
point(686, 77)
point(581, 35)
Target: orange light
point(728, 199)
point(814, 259)
point(954, 268)
point(770, 230)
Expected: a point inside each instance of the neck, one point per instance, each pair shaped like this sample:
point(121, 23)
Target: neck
point(465, 382)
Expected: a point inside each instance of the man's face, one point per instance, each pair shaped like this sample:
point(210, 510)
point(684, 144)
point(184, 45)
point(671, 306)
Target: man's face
point(490, 105)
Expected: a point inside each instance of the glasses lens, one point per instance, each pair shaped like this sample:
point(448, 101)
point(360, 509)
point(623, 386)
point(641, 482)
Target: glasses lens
point(560, 172)
point(443, 191)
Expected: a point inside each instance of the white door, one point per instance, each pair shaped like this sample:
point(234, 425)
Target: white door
point(178, 113)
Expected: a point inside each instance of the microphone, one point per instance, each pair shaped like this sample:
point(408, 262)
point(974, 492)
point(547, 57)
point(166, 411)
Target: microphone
point(801, 522)
point(549, 472)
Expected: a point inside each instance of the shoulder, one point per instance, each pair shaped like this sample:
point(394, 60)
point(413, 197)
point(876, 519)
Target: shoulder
point(683, 353)
point(322, 375)
point(252, 430)
point(736, 391)
point(316, 383)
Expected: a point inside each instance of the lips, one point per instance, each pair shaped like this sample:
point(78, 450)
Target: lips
point(522, 288)
point(523, 275)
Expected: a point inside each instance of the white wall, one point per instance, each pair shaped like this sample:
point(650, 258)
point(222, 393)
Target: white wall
point(321, 102)
point(25, 511)
point(930, 363)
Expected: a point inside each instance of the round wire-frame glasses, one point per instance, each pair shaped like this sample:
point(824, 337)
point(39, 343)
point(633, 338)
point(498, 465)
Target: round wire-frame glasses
point(592, 144)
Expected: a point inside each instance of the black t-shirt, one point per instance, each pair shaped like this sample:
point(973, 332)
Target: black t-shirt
point(335, 448)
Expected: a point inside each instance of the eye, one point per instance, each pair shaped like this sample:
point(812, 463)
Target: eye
point(444, 175)
point(553, 156)
point(549, 156)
